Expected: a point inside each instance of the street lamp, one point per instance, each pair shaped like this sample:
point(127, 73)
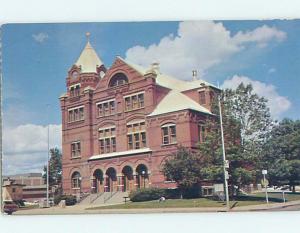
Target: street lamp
point(225, 162)
point(265, 183)
point(143, 173)
point(48, 155)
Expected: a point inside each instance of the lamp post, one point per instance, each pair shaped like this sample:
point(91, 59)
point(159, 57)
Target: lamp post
point(48, 148)
point(265, 172)
point(143, 173)
point(225, 162)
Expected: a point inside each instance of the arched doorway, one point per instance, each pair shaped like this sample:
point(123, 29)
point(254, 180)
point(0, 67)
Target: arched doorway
point(127, 178)
point(111, 179)
point(142, 176)
point(97, 181)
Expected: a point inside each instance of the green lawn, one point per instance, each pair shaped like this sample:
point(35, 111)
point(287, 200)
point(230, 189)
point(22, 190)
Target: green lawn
point(254, 199)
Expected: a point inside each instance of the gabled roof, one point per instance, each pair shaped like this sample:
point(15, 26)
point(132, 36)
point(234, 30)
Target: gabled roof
point(88, 60)
point(169, 81)
point(176, 101)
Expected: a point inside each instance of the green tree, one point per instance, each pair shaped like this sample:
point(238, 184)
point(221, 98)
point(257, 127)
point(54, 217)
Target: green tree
point(183, 167)
point(282, 154)
point(55, 168)
point(246, 124)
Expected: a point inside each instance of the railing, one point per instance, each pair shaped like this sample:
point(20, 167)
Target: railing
point(97, 196)
point(110, 195)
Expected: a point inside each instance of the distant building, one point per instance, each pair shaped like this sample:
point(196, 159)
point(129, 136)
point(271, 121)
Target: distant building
point(33, 187)
point(12, 191)
point(119, 124)
point(29, 179)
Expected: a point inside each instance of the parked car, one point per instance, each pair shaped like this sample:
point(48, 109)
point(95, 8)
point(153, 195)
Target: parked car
point(9, 207)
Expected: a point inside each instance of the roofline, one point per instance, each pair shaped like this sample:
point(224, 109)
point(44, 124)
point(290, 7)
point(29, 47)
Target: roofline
point(190, 109)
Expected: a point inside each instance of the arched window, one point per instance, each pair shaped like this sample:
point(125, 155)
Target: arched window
point(118, 80)
point(168, 132)
point(76, 180)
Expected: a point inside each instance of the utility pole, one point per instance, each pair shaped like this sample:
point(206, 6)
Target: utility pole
point(265, 172)
point(225, 162)
point(48, 148)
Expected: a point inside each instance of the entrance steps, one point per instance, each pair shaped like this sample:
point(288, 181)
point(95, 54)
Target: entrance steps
point(104, 198)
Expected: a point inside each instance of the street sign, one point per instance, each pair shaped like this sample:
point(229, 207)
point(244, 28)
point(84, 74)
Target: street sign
point(226, 175)
point(226, 164)
point(264, 172)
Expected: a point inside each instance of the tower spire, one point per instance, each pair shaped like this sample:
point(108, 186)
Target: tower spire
point(88, 34)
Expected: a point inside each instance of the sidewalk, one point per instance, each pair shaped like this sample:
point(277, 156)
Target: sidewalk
point(81, 209)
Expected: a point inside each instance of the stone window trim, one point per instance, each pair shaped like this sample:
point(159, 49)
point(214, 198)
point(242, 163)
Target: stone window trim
point(134, 101)
point(168, 132)
point(76, 114)
point(102, 111)
point(75, 150)
point(107, 140)
point(136, 135)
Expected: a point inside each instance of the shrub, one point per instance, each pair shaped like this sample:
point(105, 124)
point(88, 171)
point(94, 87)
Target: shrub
point(70, 199)
point(147, 194)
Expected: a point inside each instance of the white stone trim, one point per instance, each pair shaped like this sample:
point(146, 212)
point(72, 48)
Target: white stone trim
point(120, 153)
point(133, 94)
point(105, 101)
point(78, 107)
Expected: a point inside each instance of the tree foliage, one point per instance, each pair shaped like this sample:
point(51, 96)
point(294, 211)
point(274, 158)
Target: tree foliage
point(183, 167)
point(55, 167)
point(282, 153)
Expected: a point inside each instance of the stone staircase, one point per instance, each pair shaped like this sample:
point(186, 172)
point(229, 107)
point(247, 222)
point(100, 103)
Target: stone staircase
point(105, 198)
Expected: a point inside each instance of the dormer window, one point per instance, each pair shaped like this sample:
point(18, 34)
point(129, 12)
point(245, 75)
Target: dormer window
point(118, 80)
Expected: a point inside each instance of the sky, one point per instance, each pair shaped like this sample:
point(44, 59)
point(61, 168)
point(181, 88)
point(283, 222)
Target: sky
point(36, 59)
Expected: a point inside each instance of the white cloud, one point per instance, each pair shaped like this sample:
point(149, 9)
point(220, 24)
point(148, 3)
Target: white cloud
point(40, 37)
point(278, 104)
point(25, 147)
point(200, 45)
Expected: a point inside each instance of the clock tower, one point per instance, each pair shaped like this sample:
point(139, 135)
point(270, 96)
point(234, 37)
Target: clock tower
point(86, 72)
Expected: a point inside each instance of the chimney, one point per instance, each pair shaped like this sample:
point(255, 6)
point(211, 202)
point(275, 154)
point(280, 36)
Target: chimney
point(155, 67)
point(194, 74)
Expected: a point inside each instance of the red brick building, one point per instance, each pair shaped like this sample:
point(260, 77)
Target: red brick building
point(120, 123)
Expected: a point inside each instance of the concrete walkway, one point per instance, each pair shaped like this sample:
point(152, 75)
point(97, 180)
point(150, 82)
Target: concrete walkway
point(81, 209)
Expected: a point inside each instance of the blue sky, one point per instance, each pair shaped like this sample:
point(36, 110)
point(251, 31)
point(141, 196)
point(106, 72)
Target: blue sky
point(36, 58)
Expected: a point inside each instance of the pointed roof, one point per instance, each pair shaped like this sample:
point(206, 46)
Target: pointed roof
point(175, 101)
point(88, 59)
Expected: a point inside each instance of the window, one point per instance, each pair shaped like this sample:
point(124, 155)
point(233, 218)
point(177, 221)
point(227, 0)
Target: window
point(76, 114)
point(118, 80)
point(168, 134)
point(76, 180)
point(107, 140)
point(202, 99)
point(136, 135)
point(201, 133)
point(106, 108)
point(75, 90)
point(75, 150)
point(133, 102)
point(14, 190)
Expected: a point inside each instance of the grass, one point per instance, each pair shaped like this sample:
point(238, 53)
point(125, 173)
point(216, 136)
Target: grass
point(254, 199)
